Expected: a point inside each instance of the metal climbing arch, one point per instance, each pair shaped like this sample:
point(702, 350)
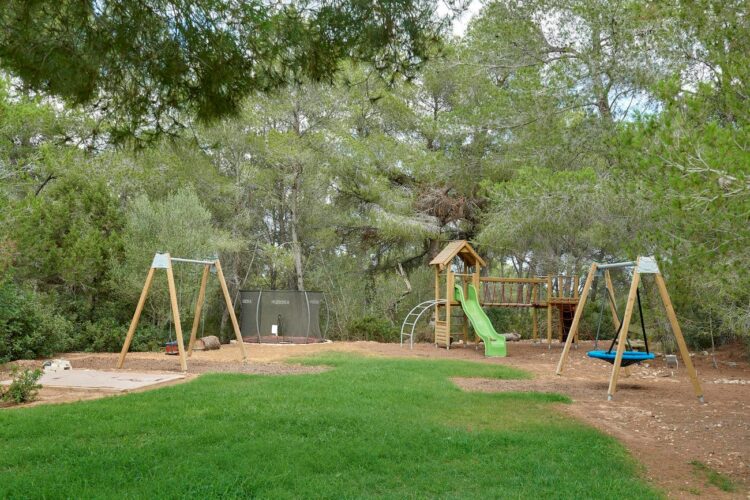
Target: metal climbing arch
point(411, 320)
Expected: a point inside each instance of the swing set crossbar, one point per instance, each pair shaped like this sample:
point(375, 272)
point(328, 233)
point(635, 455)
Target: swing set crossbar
point(193, 261)
point(617, 265)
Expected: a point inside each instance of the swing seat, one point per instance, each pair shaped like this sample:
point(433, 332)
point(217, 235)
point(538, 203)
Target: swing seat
point(628, 357)
point(171, 348)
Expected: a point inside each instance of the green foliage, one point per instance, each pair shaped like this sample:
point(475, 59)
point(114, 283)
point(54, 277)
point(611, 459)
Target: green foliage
point(68, 236)
point(713, 477)
point(145, 65)
point(179, 224)
point(561, 217)
point(552, 134)
point(28, 327)
point(367, 427)
point(373, 328)
point(101, 336)
point(24, 386)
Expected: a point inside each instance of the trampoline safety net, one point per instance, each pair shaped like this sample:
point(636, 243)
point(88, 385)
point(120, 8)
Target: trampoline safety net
point(281, 316)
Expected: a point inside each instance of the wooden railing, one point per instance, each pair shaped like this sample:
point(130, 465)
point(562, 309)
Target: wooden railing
point(528, 292)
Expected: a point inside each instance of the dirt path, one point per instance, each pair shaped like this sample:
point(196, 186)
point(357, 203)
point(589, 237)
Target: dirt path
point(655, 413)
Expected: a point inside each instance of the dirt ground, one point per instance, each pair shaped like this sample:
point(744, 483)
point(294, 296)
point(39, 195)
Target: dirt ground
point(655, 413)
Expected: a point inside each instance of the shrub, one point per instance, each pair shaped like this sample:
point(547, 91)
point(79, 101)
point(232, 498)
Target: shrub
point(373, 328)
point(24, 386)
point(107, 335)
point(28, 328)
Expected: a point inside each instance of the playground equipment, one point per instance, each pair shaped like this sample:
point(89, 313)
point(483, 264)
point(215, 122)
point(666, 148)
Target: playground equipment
point(494, 344)
point(630, 356)
point(623, 357)
point(281, 316)
point(458, 266)
point(411, 319)
point(164, 261)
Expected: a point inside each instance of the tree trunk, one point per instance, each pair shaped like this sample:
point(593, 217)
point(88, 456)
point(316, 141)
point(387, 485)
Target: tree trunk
point(296, 247)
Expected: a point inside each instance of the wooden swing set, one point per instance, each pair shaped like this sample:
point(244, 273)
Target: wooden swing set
point(622, 357)
point(164, 261)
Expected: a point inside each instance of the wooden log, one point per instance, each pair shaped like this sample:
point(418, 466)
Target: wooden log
point(208, 343)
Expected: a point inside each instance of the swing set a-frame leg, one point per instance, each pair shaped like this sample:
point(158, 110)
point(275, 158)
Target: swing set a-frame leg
point(230, 309)
point(611, 299)
point(677, 331)
point(198, 309)
point(176, 316)
point(622, 339)
point(136, 317)
point(577, 318)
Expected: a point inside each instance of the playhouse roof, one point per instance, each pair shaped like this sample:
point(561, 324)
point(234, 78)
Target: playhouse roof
point(460, 248)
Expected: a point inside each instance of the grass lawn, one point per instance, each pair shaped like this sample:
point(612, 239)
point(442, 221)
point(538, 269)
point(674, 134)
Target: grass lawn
point(370, 427)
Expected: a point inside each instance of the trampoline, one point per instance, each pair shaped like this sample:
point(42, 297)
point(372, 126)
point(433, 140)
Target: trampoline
point(282, 316)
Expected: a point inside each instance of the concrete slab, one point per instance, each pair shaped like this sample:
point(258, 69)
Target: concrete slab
point(108, 380)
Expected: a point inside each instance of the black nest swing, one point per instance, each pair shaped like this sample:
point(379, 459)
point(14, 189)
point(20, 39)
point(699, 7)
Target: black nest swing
point(629, 356)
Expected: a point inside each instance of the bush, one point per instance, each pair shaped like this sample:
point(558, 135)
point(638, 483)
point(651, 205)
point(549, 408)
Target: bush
point(24, 387)
point(373, 328)
point(107, 335)
point(28, 328)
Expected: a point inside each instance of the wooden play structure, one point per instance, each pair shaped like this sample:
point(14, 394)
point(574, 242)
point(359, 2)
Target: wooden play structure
point(622, 357)
point(164, 261)
point(459, 262)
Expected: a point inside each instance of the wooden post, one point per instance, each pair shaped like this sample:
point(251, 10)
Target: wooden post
point(437, 306)
point(136, 317)
point(560, 322)
point(480, 294)
point(198, 309)
point(623, 337)
point(449, 298)
point(549, 312)
point(534, 326)
point(437, 283)
point(576, 283)
point(577, 317)
point(176, 315)
point(230, 309)
point(611, 293)
point(465, 323)
point(684, 353)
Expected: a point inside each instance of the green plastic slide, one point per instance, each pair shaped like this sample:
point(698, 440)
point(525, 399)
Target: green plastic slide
point(494, 344)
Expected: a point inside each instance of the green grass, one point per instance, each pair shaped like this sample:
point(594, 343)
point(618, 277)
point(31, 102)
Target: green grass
point(713, 477)
point(369, 427)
